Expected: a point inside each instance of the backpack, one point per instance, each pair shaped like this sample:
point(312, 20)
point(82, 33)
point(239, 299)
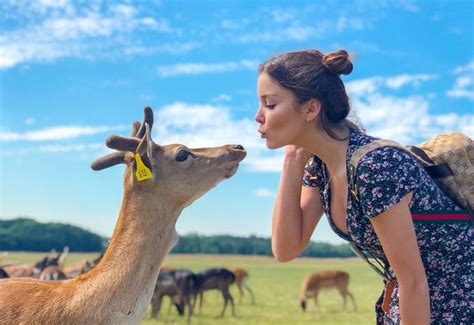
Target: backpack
point(448, 158)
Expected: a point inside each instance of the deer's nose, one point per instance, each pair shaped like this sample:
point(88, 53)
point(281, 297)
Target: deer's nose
point(238, 147)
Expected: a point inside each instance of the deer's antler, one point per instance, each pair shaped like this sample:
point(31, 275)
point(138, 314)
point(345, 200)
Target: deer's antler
point(123, 143)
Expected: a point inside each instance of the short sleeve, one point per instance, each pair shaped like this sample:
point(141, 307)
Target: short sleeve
point(384, 176)
point(313, 172)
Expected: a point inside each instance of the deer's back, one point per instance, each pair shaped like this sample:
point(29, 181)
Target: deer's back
point(326, 279)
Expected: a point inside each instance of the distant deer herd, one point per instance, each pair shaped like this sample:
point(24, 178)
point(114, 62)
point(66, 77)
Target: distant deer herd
point(117, 286)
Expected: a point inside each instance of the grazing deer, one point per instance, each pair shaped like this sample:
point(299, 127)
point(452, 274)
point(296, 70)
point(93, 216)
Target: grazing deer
point(314, 282)
point(166, 268)
point(3, 274)
point(241, 281)
point(215, 278)
point(167, 285)
point(52, 273)
point(159, 182)
point(28, 271)
point(81, 268)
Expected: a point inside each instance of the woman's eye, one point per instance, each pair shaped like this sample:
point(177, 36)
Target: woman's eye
point(182, 155)
point(269, 106)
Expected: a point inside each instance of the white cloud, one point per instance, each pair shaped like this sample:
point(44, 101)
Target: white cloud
point(406, 79)
point(221, 98)
point(294, 32)
point(56, 133)
point(344, 23)
point(463, 88)
point(56, 148)
point(465, 68)
point(234, 24)
point(464, 85)
point(408, 5)
point(58, 29)
point(404, 119)
point(70, 148)
point(263, 192)
point(170, 48)
point(371, 85)
point(281, 16)
point(201, 68)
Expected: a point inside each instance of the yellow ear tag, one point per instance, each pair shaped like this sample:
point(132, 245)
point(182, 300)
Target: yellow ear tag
point(143, 172)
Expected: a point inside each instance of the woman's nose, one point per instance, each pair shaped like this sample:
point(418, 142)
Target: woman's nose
point(259, 117)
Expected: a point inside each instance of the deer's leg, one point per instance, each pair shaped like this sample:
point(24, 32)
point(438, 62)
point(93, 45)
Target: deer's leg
point(344, 293)
point(227, 297)
point(155, 305)
point(251, 293)
point(225, 302)
point(231, 302)
point(190, 306)
point(316, 306)
point(201, 297)
point(170, 305)
point(239, 286)
point(352, 298)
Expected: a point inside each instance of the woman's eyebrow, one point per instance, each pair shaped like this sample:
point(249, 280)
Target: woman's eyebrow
point(268, 95)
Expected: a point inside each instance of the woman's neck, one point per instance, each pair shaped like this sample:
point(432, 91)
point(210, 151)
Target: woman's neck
point(331, 151)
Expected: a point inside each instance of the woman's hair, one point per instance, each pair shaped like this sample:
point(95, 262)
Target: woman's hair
point(310, 74)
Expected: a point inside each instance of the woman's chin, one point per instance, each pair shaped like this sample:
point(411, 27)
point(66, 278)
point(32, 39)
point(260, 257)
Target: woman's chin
point(273, 145)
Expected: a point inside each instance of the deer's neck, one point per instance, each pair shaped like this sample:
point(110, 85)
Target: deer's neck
point(124, 280)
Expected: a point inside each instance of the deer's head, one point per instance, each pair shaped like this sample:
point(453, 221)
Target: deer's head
point(177, 172)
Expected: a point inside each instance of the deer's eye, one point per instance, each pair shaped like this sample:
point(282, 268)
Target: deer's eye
point(182, 155)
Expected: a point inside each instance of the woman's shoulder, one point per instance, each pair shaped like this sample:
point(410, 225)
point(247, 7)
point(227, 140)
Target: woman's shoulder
point(381, 157)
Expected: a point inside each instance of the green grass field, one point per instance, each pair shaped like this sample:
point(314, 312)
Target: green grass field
point(276, 288)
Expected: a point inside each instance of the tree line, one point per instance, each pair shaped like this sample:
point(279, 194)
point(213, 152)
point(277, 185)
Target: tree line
point(25, 234)
point(253, 245)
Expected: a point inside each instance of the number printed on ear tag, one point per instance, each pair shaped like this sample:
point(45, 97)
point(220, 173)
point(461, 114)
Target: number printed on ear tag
point(143, 172)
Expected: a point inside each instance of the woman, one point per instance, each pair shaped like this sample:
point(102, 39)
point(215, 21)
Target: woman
point(303, 106)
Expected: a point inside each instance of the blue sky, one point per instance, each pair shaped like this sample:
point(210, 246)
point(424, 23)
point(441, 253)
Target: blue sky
point(72, 73)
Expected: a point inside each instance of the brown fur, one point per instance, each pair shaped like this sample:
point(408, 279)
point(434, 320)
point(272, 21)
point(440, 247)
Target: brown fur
point(241, 279)
point(20, 271)
point(52, 273)
point(119, 289)
point(314, 282)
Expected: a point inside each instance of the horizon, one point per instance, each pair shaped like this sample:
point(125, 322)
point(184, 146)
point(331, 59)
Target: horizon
point(72, 73)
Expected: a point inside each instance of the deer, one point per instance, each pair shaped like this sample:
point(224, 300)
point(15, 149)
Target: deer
point(314, 282)
point(52, 272)
point(158, 183)
point(3, 274)
point(214, 278)
point(241, 281)
point(168, 285)
point(81, 268)
point(29, 271)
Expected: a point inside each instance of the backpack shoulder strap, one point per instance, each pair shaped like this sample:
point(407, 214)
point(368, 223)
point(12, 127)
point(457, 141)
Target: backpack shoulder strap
point(364, 150)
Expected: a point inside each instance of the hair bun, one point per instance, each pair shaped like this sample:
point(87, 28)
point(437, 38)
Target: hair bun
point(338, 62)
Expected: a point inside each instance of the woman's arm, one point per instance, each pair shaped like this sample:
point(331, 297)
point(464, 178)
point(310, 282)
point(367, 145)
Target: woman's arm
point(297, 209)
point(396, 233)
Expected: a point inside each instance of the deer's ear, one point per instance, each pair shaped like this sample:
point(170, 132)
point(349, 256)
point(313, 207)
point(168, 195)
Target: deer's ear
point(145, 147)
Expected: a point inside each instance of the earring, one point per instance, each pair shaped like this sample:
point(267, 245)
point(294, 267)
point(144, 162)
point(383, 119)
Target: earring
point(308, 121)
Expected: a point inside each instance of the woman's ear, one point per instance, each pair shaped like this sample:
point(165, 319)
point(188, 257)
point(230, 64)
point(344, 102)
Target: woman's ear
point(313, 109)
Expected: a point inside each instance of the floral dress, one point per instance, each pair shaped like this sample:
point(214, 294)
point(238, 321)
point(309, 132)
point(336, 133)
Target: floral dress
point(384, 176)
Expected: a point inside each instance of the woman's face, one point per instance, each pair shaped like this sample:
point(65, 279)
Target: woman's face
point(280, 117)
